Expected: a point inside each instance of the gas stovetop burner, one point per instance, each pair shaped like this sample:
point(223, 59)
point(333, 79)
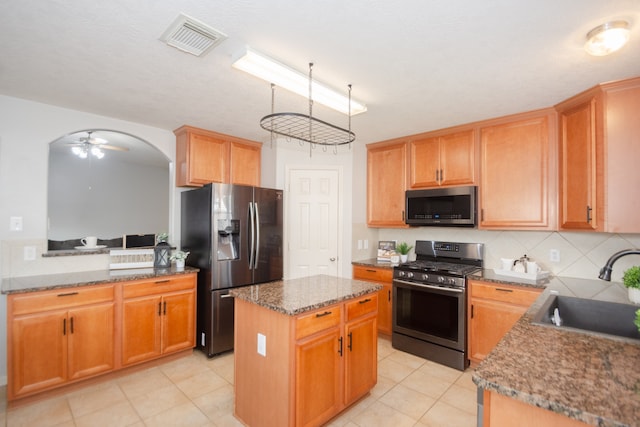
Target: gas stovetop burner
point(440, 267)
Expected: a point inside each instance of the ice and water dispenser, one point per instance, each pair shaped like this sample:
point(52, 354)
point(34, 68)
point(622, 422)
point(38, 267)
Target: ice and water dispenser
point(228, 239)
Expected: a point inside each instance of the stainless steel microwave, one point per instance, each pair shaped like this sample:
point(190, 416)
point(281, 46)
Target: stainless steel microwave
point(443, 207)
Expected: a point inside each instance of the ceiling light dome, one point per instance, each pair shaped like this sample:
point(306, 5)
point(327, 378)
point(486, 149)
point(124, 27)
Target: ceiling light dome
point(607, 38)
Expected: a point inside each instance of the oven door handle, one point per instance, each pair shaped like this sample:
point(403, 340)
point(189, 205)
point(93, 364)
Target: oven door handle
point(438, 288)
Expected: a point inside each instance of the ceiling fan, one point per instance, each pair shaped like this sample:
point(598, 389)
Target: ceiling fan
point(92, 144)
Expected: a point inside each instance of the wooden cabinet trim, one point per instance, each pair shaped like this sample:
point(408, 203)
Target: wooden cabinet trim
point(35, 302)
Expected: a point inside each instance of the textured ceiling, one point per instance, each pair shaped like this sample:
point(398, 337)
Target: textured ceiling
point(418, 65)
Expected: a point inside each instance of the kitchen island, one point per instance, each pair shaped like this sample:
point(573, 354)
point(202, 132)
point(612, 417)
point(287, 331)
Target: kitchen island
point(545, 376)
point(304, 349)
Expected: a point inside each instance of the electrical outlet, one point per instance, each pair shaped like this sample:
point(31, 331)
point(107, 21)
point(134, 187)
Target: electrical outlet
point(29, 253)
point(359, 244)
point(262, 345)
point(554, 255)
point(366, 244)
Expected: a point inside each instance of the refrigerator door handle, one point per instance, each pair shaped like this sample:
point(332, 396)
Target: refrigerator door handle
point(252, 248)
point(257, 220)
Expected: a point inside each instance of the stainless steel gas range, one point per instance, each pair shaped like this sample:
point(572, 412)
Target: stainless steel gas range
point(430, 301)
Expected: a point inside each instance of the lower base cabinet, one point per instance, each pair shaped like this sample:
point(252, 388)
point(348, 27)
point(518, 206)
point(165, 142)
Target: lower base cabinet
point(492, 312)
point(314, 365)
point(62, 336)
point(384, 277)
point(502, 411)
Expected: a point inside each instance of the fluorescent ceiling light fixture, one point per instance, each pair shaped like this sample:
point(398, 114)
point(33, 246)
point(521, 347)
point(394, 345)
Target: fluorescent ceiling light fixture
point(607, 38)
point(282, 76)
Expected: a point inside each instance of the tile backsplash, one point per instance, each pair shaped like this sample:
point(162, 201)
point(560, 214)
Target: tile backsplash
point(581, 254)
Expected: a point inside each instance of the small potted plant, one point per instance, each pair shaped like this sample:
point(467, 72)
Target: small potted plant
point(403, 249)
point(179, 257)
point(631, 280)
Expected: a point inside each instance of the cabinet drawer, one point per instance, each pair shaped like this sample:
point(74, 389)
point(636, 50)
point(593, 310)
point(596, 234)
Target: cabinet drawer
point(506, 293)
point(372, 274)
point(158, 285)
point(316, 321)
point(362, 306)
point(36, 302)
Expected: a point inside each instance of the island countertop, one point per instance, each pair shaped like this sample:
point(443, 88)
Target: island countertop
point(296, 296)
point(586, 377)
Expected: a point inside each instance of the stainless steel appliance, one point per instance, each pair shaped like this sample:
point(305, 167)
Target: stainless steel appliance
point(234, 236)
point(450, 206)
point(430, 301)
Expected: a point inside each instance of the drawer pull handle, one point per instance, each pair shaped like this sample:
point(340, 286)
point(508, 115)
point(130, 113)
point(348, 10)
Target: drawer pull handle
point(504, 290)
point(364, 301)
point(371, 271)
point(162, 281)
point(68, 294)
point(326, 313)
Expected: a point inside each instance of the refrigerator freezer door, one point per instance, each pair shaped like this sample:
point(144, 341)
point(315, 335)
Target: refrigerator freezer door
point(268, 206)
point(220, 321)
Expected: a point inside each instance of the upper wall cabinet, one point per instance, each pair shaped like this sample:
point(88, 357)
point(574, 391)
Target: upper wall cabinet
point(386, 183)
point(444, 160)
point(204, 156)
point(517, 172)
point(599, 136)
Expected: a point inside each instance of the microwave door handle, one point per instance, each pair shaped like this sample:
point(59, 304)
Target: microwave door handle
point(257, 224)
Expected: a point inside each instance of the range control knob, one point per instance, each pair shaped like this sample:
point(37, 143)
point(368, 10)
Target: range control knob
point(401, 273)
point(451, 281)
point(425, 277)
point(441, 279)
point(409, 275)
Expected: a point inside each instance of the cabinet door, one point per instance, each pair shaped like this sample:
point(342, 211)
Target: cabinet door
point(244, 164)
point(578, 167)
point(207, 159)
point(425, 163)
point(141, 319)
point(38, 352)
point(318, 391)
point(515, 170)
point(457, 158)
point(90, 338)
point(386, 184)
point(488, 322)
point(178, 321)
point(361, 357)
point(385, 312)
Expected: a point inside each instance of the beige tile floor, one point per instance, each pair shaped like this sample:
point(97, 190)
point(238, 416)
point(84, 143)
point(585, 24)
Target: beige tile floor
point(196, 391)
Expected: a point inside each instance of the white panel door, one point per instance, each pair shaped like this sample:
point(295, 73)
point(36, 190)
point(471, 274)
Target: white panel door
point(312, 222)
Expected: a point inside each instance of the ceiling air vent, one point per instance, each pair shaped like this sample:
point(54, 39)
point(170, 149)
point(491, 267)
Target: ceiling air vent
point(192, 36)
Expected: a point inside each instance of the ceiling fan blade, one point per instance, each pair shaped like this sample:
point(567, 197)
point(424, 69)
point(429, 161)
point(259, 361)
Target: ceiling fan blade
point(113, 147)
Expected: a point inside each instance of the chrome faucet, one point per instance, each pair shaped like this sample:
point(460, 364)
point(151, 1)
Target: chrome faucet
point(605, 272)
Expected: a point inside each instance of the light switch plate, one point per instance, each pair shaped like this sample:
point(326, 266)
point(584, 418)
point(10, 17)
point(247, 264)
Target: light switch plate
point(15, 223)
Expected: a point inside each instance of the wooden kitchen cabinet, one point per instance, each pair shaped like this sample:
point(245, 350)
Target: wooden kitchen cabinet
point(384, 277)
point(386, 183)
point(360, 342)
point(492, 312)
point(517, 184)
point(443, 160)
point(158, 317)
point(57, 337)
point(598, 133)
point(204, 156)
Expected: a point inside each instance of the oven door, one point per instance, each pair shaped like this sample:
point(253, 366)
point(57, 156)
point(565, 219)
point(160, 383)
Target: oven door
point(430, 313)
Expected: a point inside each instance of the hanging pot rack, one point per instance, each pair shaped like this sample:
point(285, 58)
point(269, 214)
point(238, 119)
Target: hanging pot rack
point(305, 127)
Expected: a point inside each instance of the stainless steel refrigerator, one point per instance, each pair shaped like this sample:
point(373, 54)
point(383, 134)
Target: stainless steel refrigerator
point(234, 236)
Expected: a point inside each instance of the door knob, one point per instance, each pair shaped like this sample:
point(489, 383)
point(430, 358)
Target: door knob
point(332, 259)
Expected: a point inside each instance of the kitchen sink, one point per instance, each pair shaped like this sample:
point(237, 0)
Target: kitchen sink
point(589, 316)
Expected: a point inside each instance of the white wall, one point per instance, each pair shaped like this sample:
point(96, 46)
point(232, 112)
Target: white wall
point(26, 129)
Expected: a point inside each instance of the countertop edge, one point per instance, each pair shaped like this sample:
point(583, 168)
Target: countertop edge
point(26, 284)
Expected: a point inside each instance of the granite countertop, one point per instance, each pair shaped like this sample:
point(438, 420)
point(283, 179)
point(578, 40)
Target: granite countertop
point(583, 376)
point(296, 296)
point(11, 285)
point(373, 262)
